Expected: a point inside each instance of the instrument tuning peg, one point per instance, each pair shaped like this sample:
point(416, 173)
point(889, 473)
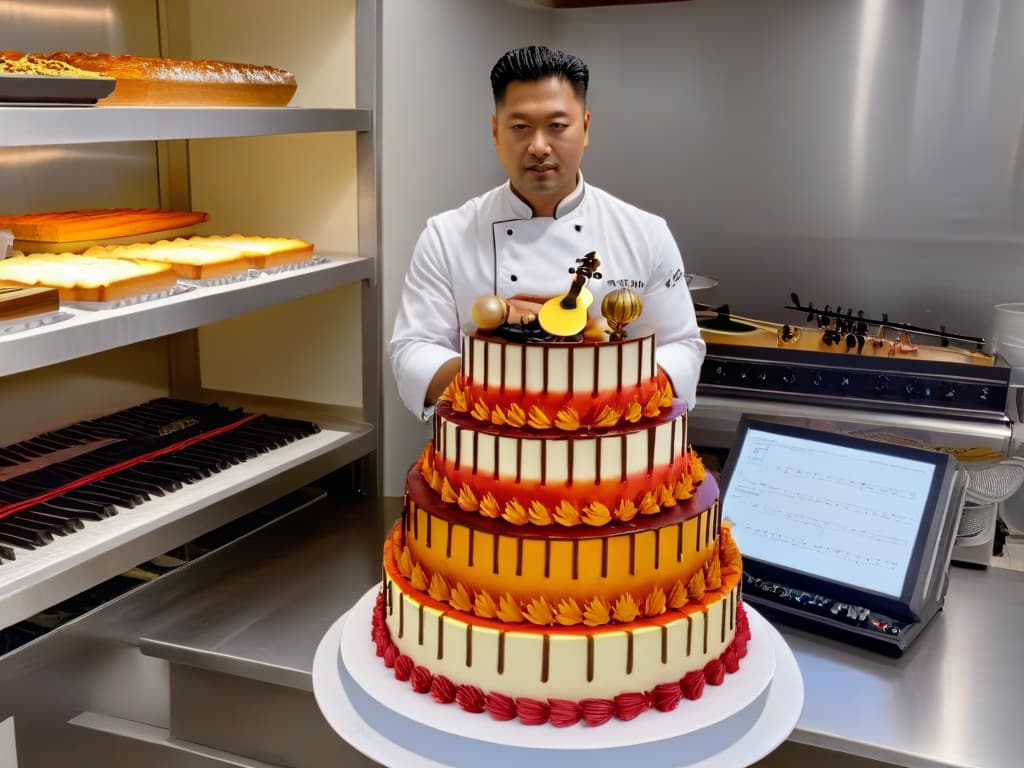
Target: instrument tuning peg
point(885, 318)
point(810, 310)
point(943, 338)
point(795, 299)
point(596, 276)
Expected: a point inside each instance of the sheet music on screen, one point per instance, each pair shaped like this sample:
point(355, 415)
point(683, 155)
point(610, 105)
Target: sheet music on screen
point(833, 511)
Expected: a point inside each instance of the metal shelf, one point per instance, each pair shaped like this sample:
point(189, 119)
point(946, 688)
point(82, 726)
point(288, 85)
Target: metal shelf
point(90, 331)
point(39, 579)
point(34, 126)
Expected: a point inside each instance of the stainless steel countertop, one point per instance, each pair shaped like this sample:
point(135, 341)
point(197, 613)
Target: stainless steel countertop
point(260, 607)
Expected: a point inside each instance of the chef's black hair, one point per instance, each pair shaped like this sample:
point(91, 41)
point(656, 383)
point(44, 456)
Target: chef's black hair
point(535, 62)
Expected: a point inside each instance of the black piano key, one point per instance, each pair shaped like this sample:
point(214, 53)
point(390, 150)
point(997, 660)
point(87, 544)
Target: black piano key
point(167, 484)
point(6, 553)
point(132, 496)
point(14, 523)
point(27, 539)
point(84, 510)
point(67, 522)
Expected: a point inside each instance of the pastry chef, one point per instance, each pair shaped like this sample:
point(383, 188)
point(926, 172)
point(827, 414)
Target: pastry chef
point(519, 240)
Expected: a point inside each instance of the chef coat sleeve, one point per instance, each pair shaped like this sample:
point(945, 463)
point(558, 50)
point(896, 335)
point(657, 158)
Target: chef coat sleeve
point(669, 308)
point(426, 333)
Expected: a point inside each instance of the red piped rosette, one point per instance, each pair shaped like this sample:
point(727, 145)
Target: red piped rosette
point(560, 713)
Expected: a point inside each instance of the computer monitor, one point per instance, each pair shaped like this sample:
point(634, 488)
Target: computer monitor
point(868, 522)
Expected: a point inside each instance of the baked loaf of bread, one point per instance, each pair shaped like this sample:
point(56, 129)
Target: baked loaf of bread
point(261, 252)
point(84, 278)
point(95, 223)
point(174, 82)
point(17, 63)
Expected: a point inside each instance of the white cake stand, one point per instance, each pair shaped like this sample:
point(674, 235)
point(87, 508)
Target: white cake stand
point(734, 724)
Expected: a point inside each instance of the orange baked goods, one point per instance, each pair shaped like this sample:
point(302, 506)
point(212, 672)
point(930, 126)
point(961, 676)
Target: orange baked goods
point(84, 278)
point(169, 82)
point(262, 252)
point(96, 223)
point(17, 63)
point(561, 556)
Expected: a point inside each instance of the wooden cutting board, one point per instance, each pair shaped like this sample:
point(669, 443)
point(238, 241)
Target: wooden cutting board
point(23, 302)
point(96, 224)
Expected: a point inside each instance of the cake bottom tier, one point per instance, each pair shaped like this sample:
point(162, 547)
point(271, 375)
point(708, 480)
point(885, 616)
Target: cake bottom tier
point(552, 673)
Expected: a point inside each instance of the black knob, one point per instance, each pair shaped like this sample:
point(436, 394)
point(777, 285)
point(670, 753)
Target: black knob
point(881, 385)
point(789, 377)
point(720, 370)
point(948, 390)
point(744, 374)
point(762, 376)
point(844, 382)
point(817, 380)
point(913, 388)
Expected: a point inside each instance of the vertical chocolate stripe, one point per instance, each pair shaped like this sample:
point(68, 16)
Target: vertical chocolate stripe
point(545, 661)
point(639, 362)
point(689, 635)
point(732, 608)
point(476, 450)
point(597, 460)
point(501, 653)
point(632, 554)
point(569, 370)
point(458, 448)
point(707, 525)
point(672, 441)
point(501, 370)
point(494, 555)
point(724, 604)
point(657, 548)
point(697, 530)
point(469, 645)
point(654, 365)
point(472, 354)
point(618, 368)
point(487, 370)
point(629, 652)
point(543, 462)
point(416, 523)
point(420, 624)
point(519, 459)
point(597, 370)
point(622, 453)
point(472, 538)
point(430, 526)
point(462, 352)
point(679, 543)
point(664, 644)
point(519, 556)
point(575, 559)
point(569, 460)
point(544, 369)
point(497, 442)
point(547, 558)
point(705, 615)
point(401, 615)
point(590, 658)
point(440, 636)
point(391, 597)
point(448, 542)
point(604, 557)
point(650, 450)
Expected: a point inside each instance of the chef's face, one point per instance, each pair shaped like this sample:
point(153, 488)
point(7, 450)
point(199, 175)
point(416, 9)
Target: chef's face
point(540, 130)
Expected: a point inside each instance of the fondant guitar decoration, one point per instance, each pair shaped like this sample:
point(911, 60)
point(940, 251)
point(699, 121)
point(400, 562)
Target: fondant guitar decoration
point(567, 315)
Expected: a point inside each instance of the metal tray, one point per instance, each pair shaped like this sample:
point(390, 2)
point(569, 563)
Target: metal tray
point(53, 90)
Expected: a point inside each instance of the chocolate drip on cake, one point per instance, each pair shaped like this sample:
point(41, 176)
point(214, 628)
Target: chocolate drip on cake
point(494, 565)
point(472, 539)
point(705, 631)
point(476, 449)
point(639, 363)
point(415, 523)
point(420, 640)
point(632, 554)
point(543, 462)
point(401, 616)
point(732, 608)
point(707, 526)
point(654, 364)
point(448, 540)
point(469, 645)
point(501, 653)
point(487, 370)
point(497, 442)
point(472, 355)
point(391, 598)
point(604, 557)
point(597, 460)
point(657, 550)
point(650, 451)
point(679, 543)
point(618, 369)
point(689, 635)
point(501, 370)
point(430, 528)
point(440, 636)
point(458, 448)
point(629, 652)
point(545, 660)
point(622, 454)
point(697, 530)
point(575, 559)
point(569, 461)
point(544, 368)
point(519, 557)
point(519, 459)
point(547, 558)
point(664, 645)
point(590, 658)
point(672, 441)
point(597, 372)
point(723, 603)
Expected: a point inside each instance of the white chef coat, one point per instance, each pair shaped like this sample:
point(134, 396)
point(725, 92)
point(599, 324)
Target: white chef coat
point(494, 244)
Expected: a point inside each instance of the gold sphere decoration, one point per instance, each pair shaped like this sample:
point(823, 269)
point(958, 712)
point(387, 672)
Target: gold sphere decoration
point(489, 312)
point(621, 307)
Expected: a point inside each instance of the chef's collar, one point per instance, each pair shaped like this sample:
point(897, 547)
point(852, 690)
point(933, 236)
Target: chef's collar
point(567, 205)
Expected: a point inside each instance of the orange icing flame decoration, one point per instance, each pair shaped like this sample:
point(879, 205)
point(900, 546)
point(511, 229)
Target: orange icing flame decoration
point(696, 466)
point(467, 499)
point(539, 514)
point(654, 605)
point(567, 419)
point(509, 611)
point(566, 514)
point(459, 401)
point(596, 514)
point(607, 417)
point(634, 412)
point(684, 488)
point(480, 411)
point(418, 578)
point(489, 506)
point(516, 416)
point(485, 607)
point(695, 589)
point(597, 613)
point(461, 599)
point(538, 419)
point(538, 611)
point(497, 416)
point(678, 597)
point(653, 407)
point(666, 395)
point(405, 563)
point(732, 560)
point(439, 588)
point(667, 498)
point(568, 613)
point(515, 513)
point(649, 505)
point(436, 481)
point(625, 609)
point(448, 493)
point(713, 579)
point(626, 511)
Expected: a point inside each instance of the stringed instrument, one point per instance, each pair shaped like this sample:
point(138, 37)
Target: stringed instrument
point(566, 315)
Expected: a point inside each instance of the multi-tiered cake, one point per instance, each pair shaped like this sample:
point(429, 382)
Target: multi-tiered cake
point(560, 556)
